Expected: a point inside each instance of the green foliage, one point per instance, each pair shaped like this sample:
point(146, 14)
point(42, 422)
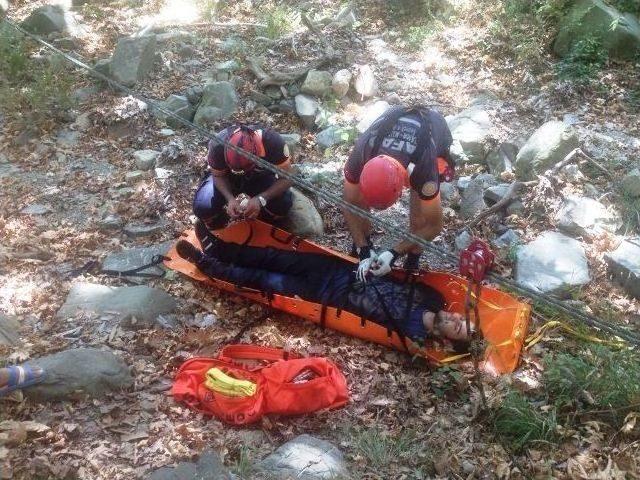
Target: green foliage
point(416, 35)
point(585, 60)
point(630, 206)
point(210, 9)
point(33, 90)
point(631, 6)
point(380, 449)
point(403, 11)
point(446, 381)
point(607, 378)
point(13, 55)
point(524, 29)
point(518, 423)
point(94, 12)
point(278, 21)
point(243, 466)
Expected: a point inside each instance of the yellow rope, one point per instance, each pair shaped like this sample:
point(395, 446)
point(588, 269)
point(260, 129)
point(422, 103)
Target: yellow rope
point(539, 335)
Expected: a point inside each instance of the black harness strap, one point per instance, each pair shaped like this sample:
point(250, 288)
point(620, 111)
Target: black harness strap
point(292, 239)
point(411, 280)
point(394, 325)
point(323, 316)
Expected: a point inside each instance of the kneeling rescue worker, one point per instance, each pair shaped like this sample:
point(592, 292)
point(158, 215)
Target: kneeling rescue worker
point(405, 147)
point(237, 188)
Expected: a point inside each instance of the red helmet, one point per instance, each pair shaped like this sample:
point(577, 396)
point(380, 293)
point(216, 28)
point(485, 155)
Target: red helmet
point(246, 139)
point(382, 180)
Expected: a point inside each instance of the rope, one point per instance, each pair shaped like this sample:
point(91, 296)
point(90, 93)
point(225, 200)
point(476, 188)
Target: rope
point(337, 200)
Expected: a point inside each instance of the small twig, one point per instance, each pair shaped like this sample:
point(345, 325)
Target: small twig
point(563, 163)
point(596, 164)
point(228, 24)
point(613, 410)
point(283, 78)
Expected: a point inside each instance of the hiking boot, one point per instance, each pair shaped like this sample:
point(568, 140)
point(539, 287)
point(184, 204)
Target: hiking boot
point(189, 252)
point(412, 262)
point(208, 241)
point(354, 250)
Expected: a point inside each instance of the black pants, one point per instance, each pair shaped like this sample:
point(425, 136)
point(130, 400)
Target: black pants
point(209, 203)
point(313, 277)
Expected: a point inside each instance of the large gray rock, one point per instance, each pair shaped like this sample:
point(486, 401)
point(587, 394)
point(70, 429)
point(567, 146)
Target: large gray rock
point(624, 266)
point(341, 82)
point(136, 257)
point(145, 159)
point(507, 239)
point(208, 467)
point(292, 140)
point(472, 201)
point(178, 105)
point(503, 159)
point(219, 100)
point(472, 129)
point(133, 59)
point(317, 82)
point(585, 216)
point(305, 458)
point(307, 108)
point(83, 371)
point(631, 183)
point(45, 20)
point(303, 219)
point(496, 193)
point(548, 145)
point(8, 330)
point(370, 114)
point(619, 33)
point(142, 302)
point(553, 263)
point(331, 136)
point(449, 194)
point(463, 240)
point(137, 230)
point(194, 94)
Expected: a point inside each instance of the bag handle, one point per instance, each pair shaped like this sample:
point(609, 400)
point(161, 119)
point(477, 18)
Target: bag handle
point(254, 352)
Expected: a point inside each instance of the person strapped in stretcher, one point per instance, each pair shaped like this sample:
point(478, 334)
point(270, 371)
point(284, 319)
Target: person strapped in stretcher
point(413, 311)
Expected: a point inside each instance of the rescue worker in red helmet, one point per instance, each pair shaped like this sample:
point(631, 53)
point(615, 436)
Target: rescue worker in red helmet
point(405, 147)
point(239, 189)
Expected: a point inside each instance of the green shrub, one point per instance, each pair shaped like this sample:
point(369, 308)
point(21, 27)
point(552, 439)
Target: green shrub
point(243, 466)
point(525, 29)
point(33, 91)
point(630, 206)
point(415, 36)
point(403, 11)
point(631, 6)
point(381, 449)
point(210, 9)
point(518, 423)
point(278, 20)
point(601, 379)
point(584, 61)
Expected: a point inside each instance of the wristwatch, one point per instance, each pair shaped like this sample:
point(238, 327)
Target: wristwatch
point(262, 200)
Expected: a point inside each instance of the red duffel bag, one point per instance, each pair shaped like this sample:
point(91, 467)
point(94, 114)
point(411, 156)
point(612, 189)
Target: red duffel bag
point(281, 384)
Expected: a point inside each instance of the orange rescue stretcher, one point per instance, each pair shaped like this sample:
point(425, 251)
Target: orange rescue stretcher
point(503, 319)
